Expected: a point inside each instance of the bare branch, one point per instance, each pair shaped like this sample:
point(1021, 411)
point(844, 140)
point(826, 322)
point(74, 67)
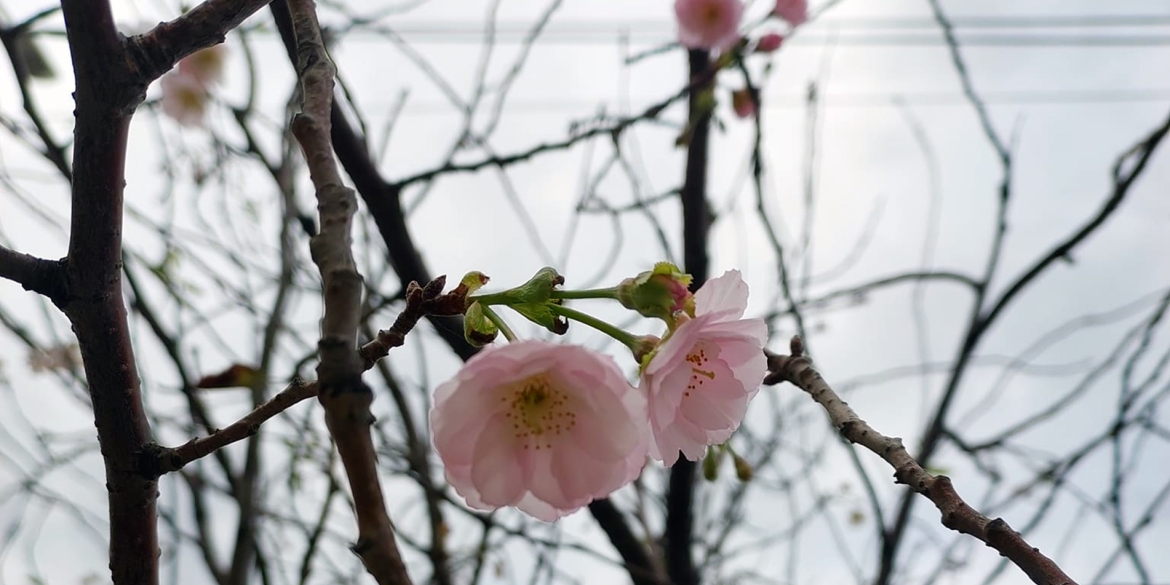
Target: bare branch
point(641, 566)
point(105, 97)
point(696, 226)
point(17, 44)
point(155, 460)
point(343, 394)
point(159, 461)
point(956, 514)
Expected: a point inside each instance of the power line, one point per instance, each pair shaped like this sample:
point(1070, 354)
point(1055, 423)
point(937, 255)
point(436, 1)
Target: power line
point(850, 100)
point(510, 27)
point(991, 32)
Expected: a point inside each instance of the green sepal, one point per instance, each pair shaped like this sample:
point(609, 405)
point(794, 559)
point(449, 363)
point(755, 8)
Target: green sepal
point(478, 329)
point(542, 315)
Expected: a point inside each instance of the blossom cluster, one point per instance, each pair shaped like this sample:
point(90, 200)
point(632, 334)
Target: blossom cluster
point(548, 427)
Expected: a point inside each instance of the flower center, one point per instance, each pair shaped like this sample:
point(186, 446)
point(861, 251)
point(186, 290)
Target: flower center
point(699, 357)
point(538, 410)
point(712, 14)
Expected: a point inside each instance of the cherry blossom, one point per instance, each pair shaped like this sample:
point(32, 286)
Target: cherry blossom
point(541, 426)
point(708, 24)
point(702, 376)
point(186, 89)
point(205, 65)
point(184, 98)
point(793, 11)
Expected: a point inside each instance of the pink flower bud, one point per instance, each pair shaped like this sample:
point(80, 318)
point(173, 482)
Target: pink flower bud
point(744, 103)
point(769, 42)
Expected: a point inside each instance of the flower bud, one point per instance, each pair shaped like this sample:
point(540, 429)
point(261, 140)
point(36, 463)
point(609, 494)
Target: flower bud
point(644, 346)
point(744, 103)
point(769, 42)
point(478, 330)
point(659, 293)
point(743, 469)
point(711, 464)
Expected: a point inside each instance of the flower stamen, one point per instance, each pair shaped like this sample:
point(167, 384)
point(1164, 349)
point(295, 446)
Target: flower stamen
point(538, 411)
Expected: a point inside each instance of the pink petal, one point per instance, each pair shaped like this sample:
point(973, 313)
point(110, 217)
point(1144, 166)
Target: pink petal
point(501, 468)
point(725, 294)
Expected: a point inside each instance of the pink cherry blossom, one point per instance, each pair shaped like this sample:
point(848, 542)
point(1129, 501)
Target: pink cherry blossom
point(541, 426)
point(702, 377)
point(708, 24)
point(184, 99)
point(793, 11)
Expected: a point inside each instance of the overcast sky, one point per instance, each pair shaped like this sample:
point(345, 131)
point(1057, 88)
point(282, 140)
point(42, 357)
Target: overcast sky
point(1071, 98)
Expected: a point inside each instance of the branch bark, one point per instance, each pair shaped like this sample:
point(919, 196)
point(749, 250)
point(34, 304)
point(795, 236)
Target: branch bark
point(156, 51)
point(343, 394)
point(956, 514)
point(105, 96)
point(38, 275)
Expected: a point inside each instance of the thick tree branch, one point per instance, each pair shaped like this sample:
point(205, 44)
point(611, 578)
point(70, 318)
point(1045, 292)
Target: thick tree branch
point(696, 223)
point(343, 394)
point(956, 514)
point(641, 566)
point(105, 96)
point(382, 200)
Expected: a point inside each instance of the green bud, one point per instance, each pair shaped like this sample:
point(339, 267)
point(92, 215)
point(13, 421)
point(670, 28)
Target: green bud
point(536, 291)
point(644, 348)
point(539, 288)
point(743, 469)
point(711, 463)
point(473, 281)
point(478, 330)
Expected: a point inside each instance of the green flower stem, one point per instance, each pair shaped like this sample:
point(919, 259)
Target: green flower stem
point(496, 298)
point(498, 321)
point(627, 339)
point(592, 293)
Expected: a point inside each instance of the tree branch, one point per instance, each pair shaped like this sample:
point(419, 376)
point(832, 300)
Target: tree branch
point(382, 200)
point(16, 41)
point(38, 275)
point(343, 394)
point(642, 568)
point(956, 514)
point(105, 96)
point(156, 51)
point(696, 223)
